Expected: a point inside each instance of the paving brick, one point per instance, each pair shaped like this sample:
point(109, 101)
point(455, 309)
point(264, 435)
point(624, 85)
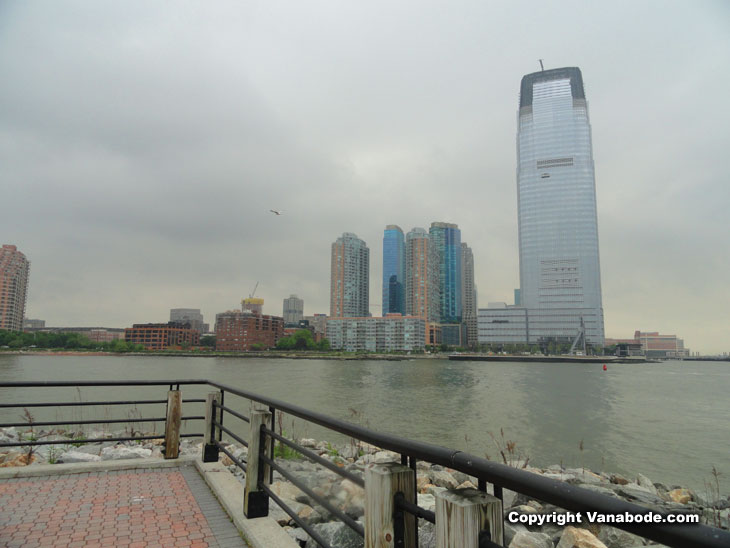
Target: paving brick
point(154, 508)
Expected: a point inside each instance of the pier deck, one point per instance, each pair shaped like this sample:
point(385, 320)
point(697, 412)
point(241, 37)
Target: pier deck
point(151, 507)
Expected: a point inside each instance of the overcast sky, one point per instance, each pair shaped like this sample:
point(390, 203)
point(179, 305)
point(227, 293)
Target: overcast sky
point(142, 145)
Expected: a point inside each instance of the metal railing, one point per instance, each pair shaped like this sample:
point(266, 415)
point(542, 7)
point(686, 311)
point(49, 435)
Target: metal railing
point(172, 420)
point(390, 489)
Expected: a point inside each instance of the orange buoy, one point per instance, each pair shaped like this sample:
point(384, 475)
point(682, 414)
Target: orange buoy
point(604, 367)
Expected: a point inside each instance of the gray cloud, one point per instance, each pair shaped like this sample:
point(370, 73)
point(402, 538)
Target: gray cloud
point(143, 144)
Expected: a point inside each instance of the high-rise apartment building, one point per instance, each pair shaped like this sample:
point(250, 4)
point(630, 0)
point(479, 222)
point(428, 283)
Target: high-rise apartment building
point(468, 295)
point(350, 277)
point(293, 310)
point(191, 316)
point(422, 290)
point(394, 270)
point(446, 238)
point(560, 279)
point(14, 271)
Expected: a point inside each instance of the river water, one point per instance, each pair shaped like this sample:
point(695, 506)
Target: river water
point(669, 420)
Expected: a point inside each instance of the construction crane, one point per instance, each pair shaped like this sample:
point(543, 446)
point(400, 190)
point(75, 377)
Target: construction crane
point(250, 295)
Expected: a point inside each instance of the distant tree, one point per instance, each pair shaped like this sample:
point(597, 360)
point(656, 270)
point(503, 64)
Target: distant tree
point(258, 346)
point(324, 344)
point(207, 340)
point(301, 339)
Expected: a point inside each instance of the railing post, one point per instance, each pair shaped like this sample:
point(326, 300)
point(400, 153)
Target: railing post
point(464, 516)
point(210, 449)
point(382, 483)
point(255, 500)
point(172, 424)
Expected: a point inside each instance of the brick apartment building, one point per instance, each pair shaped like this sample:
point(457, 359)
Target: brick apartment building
point(159, 336)
point(236, 331)
point(14, 270)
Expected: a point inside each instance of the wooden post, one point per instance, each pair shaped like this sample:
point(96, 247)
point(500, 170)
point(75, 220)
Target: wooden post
point(210, 449)
point(462, 514)
point(256, 501)
point(382, 482)
point(172, 424)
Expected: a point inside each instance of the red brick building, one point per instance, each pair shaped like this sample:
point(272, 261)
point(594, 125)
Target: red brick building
point(236, 331)
point(14, 270)
point(159, 336)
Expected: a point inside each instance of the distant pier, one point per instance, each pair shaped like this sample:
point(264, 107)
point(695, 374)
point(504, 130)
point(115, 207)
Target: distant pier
point(547, 359)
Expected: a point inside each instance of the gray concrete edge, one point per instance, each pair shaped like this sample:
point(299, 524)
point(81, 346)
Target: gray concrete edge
point(38, 470)
point(258, 532)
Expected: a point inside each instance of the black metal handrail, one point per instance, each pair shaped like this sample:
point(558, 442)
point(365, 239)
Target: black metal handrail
point(87, 403)
point(78, 422)
point(548, 490)
point(551, 491)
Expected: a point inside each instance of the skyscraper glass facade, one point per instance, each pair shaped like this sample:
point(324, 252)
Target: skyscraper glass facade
point(446, 238)
point(556, 191)
point(394, 270)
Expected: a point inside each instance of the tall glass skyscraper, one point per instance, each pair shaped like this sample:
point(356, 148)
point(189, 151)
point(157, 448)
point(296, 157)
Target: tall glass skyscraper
point(394, 270)
point(446, 238)
point(560, 278)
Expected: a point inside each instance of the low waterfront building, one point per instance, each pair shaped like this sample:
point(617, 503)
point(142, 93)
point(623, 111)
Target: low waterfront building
point(625, 347)
point(94, 334)
point(453, 334)
point(656, 345)
point(501, 323)
point(391, 333)
point(318, 325)
point(28, 323)
point(237, 331)
point(433, 334)
point(159, 336)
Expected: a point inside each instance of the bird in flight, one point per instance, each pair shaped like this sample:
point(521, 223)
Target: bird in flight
point(275, 212)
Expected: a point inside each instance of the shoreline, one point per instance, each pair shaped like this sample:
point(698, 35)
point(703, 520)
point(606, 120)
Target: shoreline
point(713, 506)
point(360, 357)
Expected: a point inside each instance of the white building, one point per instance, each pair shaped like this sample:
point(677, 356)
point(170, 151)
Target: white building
point(392, 333)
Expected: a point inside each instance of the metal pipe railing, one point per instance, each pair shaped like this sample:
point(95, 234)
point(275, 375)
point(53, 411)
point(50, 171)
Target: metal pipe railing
point(501, 476)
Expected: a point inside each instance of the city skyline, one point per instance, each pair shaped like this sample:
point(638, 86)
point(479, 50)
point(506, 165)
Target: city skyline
point(142, 149)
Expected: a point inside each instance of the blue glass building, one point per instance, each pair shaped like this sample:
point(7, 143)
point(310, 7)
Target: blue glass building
point(394, 270)
point(446, 238)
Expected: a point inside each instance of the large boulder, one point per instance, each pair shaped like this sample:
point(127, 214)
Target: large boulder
point(337, 534)
point(579, 538)
point(122, 452)
point(530, 540)
point(616, 538)
point(285, 490)
point(78, 456)
point(441, 478)
point(682, 496)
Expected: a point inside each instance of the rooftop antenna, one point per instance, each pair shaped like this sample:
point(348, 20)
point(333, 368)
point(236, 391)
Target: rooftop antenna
point(542, 68)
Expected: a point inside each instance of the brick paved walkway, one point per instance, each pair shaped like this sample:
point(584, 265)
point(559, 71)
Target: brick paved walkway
point(151, 508)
